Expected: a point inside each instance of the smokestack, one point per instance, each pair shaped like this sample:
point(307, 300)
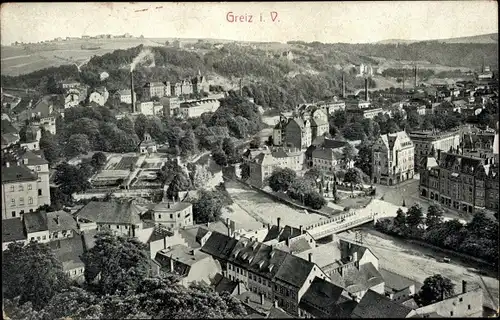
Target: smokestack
point(343, 86)
point(288, 241)
point(415, 80)
point(132, 90)
point(464, 286)
point(262, 299)
point(241, 86)
point(310, 257)
point(404, 78)
point(366, 89)
point(171, 264)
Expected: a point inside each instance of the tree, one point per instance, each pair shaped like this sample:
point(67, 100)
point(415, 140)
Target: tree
point(314, 174)
point(255, 142)
point(314, 200)
point(180, 182)
point(187, 144)
point(70, 179)
point(364, 158)
point(220, 157)
point(230, 150)
point(415, 217)
point(434, 216)
point(348, 153)
point(32, 272)
point(126, 125)
point(354, 176)
point(281, 179)
point(141, 126)
point(436, 288)
point(76, 303)
point(50, 146)
point(77, 144)
point(400, 221)
point(201, 176)
point(120, 262)
point(98, 161)
point(245, 171)
point(208, 206)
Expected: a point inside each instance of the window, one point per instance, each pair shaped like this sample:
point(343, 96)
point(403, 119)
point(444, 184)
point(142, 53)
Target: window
point(451, 313)
point(39, 192)
point(22, 212)
point(21, 201)
point(171, 216)
point(37, 168)
point(13, 214)
point(117, 227)
point(468, 306)
point(159, 216)
point(44, 237)
point(29, 187)
point(12, 202)
point(21, 188)
point(178, 215)
point(30, 200)
point(460, 299)
point(38, 238)
point(11, 188)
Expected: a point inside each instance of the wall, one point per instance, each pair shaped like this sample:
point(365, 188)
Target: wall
point(458, 305)
point(403, 294)
point(25, 193)
point(39, 236)
point(204, 270)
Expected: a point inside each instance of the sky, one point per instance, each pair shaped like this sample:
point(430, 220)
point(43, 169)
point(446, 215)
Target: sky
point(330, 22)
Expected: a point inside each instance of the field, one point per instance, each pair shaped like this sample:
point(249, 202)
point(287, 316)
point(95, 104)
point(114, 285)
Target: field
point(417, 263)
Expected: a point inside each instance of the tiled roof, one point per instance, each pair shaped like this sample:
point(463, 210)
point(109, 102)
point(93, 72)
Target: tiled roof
point(43, 106)
point(69, 252)
point(374, 305)
point(278, 313)
point(316, 122)
point(299, 246)
point(113, 212)
point(33, 159)
point(12, 230)
point(89, 238)
point(395, 281)
point(323, 299)
point(323, 255)
point(281, 234)
point(219, 245)
point(35, 221)
point(9, 138)
point(223, 284)
point(8, 127)
point(294, 270)
point(66, 221)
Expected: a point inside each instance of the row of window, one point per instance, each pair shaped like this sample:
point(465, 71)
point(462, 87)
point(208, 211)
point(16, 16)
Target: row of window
point(178, 215)
point(20, 213)
point(21, 201)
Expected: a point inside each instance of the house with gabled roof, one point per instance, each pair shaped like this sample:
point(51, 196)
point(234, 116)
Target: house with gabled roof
point(376, 305)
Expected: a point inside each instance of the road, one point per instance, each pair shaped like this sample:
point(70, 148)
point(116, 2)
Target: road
point(418, 262)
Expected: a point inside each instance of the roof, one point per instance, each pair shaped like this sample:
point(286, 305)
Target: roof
point(89, 238)
point(35, 221)
point(219, 245)
point(223, 284)
point(300, 245)
point(171, 207)
point(181, 254)
point(31, 157)
point(325, 299)
point(44, 107)
point(60, 220)
point(17, 173)
point(394, 281)
point(281, 234)
point(69, 252)
point(159, 234)
point(124, 92)
point(294, 270)
point(114, 211)
point(316, 122)
point(12, 230)
point(357, 280)
point(278, 313)
point(252, 300)
point(9, 138)
point(374, 305)
point(323, 255)
point(8, 127)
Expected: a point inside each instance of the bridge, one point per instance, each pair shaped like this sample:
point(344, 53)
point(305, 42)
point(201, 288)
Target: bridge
point(339, 224)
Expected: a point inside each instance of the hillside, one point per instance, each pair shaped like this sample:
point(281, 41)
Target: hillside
point(483, 38)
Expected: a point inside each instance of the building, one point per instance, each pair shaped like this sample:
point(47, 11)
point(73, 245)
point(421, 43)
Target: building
point(171, 106)
point(427, 143)
point(461, 182)
point(279, 131)
point(69, 252)
point(25, 184)
point(195, 109)
point(150, 108)
point(69, 84)
point(125, 96)
point(71, 99)
point(329, 107)
point(266, 161)
point(392, 160)
point(397, 287)
point(121, 216)
point(42, 109)
point(35, 224)
point(319, 126)
point(367, 113)
point(200, 84)
point(190, 264)
point(376, 305)
point(13, 231)
point(156, 89)
point(30, 139)
point(148, 144)
point(298, 133)
point(173, 214)
point(181, 88)
point(473, 142)
point(99, 95)
point(277, 275)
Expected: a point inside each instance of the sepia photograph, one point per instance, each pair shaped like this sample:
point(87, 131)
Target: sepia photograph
point(167, 160)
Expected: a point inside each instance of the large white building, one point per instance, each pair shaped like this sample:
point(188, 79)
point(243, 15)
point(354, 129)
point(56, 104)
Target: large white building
point(392, 160)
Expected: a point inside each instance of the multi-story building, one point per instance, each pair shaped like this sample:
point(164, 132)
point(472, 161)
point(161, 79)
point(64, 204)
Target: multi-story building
point(319, 126)
point(427, 143)
point(30, 139)
point(195, 109)
point(155, 89)
point(329, 107)
point(461, 182)
point(99, 95)
point(173, 214)
point(200, 84)
point(279, 131)
point(392, 160)
point(71, 99)
point(125, 96)
point(478, 141)
point(276, 274)
point(150, 108)
point(171, 106)
point(264, 162)
point(69, 84)
point(367, 113)
point(298, 133)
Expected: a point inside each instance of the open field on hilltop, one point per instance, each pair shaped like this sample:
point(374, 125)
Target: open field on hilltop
point(418, 262)
point(266, 209)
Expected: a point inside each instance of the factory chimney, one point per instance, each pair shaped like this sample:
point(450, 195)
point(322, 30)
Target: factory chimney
point(415, 79)
point(343, 86)
point(404, 78)
point(241, 86)
point(366, 89)
point(132, 90)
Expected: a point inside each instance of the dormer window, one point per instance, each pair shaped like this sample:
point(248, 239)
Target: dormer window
point(272, 254)
point(261, 264)
point(236, 253)
point(270, 268)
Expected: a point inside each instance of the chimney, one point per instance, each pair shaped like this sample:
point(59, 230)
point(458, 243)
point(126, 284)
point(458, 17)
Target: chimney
point(343, 86)
point(366, 89)
point(57, 219)
point(262, 299)
point(415, 80)
point(287, 241)
point(310, 257)
point(268, 226)
point(404, 78)
point(355, 256)
point(168, 204)
point(301, 229)
point(279, 219)
point(464, 286)
point(239, 287)
point(171, 264)
point(241, 86)
point(7, 164)
point(275, 303)
point(132, 90)
point(165, 243)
